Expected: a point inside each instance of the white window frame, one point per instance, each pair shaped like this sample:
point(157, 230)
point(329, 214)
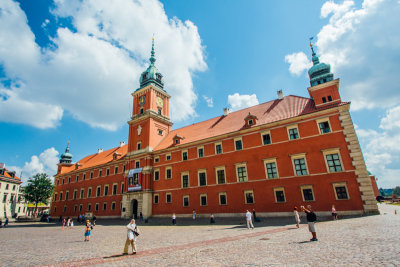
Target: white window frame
point(156, 170)
point(245, 198)
point(156, 159)
point(108, 190)
point(136, 163)
point(113, 204)
point(271, 160)
point(183, 174)
point(239, 165)
point(203, 195)
point(108, 172)
point(90, 189)
point(216, 173)
point(340, 184)
point(299, 156)
point(331, 151)
point(234, 143)
point(198, 150)
point(166, 169)
point(183, 201)
point(166, 157)
point(279, 189)
point(97, 188)
point(292, 127)
point(326, 119)
point(307, 187)
point(187, 155)
point(219, 198)
point(112, 191)
point(137, 145)
point(166, 197)
point(215, 147)
point(198, 176)
point(262, 139)
point(96, 206)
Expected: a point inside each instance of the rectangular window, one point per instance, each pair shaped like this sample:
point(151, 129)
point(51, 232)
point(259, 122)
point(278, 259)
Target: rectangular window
point(185, 180)
point(222, 198)
point(333, 161)
point(218, 148)
point(270, 168)
point(84, 177)
point(113, 206)
point(115, 186)
point(7, 185)
point(55, 197)
point(137, 164)
point(122, 188)
point(307, 193)
point(293, 133)
point(77, 178)
point(249, 197)
point(82, 193)
point(123, 168)
point(91, 175)
point(220, 175)
point(5, 197)
point(324, 127)
point(300, 166)
point(279, 195)
point(156, 175)
point(186, 201)
point(184, 155)
point(63, 180)
point(61, 196)
point(168, 173)
point(139, 145)
point(168, 157)
point(66, 195)
point(155, 198)
point(96, 207)
point(238, 144)
point(98, 191)
point(100, 173)
point(202, 178)
point(69, 180)
point(241, 173)
point(157, 159)
point(340, 190)
point(106, 190)
point(168, 198)
point(89, 192)
point(105, 206)
point(75, 194)
point(203, 200)
point(266, 139)
point(116, 170)
point(75, 208)
point(89, 207)
point(65, 208)
point(200, 152)
point(80, 207)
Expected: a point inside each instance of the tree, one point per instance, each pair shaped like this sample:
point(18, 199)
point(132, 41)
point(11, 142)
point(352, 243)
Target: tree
point(39, 189)
point(382, 192)
point(396, 191)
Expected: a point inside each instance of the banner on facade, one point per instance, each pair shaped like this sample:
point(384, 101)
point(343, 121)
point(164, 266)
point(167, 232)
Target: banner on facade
point(135, 179)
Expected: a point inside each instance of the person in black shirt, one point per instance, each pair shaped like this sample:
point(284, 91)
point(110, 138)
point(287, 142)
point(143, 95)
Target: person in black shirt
point(311, 219)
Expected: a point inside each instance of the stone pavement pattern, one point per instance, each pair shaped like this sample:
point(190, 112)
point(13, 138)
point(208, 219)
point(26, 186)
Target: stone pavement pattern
point(362, 241)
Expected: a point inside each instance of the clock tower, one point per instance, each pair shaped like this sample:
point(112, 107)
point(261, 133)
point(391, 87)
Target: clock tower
point(150, 121)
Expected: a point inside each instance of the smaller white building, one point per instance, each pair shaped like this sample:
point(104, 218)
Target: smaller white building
point(12, 202)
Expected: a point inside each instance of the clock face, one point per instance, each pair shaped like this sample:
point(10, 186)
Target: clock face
point(159, 101)
point(142, 100)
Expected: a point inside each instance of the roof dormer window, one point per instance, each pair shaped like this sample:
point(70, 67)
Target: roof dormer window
point(250, 120)
point(177, 139)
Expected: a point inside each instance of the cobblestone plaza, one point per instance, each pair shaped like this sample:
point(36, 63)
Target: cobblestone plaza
point(360, 241)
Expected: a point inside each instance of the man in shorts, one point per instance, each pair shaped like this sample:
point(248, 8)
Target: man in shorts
point(311, 219)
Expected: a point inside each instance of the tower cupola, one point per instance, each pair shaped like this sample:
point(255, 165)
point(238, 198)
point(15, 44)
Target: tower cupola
point(151, 74)
point(320, 72)
point(66, 157)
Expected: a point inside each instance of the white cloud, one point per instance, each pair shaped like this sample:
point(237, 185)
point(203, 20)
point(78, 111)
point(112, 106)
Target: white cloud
point(361, 44)
point(209, 101)
point(237, 101)
point(46, 162)
point(381, 150)
point(91, 71)
point(298, 63)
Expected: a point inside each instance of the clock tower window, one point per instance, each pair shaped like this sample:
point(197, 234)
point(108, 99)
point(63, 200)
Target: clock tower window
point(141, 111)
point(159, 111)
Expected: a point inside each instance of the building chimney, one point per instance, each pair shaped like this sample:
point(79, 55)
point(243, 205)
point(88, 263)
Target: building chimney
point(280, 94)
point(99, 150)
point(121, 144)
point(226, 111)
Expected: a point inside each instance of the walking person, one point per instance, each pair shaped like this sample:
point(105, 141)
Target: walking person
point(248, 220)
point(63, 224)
point(6, 222)
point(68, 222)
point(88, 230)
point(311, 219)
point(212, 219)
point(334, 213)
point(297, 217)
point(132, 234)
point(94, 220)
point(194, 215)
point(173, 219)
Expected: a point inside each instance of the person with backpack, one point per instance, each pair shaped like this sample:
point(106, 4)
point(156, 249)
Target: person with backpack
point(311, 219)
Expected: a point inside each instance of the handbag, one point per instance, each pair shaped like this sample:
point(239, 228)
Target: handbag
point(135, 232)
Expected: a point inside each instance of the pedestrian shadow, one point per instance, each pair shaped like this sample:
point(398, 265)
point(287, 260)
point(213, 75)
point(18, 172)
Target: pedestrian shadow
point(301, 242)
point(114, 256)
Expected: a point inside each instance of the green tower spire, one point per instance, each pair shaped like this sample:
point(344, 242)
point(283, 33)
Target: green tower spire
point(151, 75)
point(66, 157)
point(320, 72)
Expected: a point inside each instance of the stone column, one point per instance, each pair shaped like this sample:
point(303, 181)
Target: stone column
point(365, 185)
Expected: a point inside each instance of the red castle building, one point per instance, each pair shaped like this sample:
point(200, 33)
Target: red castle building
point(287, 152)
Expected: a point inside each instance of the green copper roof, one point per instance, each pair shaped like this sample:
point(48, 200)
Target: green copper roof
point(66, 157)
point(151, 74)
point(319, 72)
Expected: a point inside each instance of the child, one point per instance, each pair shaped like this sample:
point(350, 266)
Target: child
point(88, 229)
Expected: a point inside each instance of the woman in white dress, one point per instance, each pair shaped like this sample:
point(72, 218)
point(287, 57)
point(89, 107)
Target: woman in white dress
point(132, 233)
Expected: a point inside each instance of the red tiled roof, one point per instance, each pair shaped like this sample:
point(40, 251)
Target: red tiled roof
point(272, 111)
point(7, 175)
point(98, 159)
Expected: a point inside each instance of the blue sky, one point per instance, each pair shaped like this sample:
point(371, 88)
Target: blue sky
point(67, 68)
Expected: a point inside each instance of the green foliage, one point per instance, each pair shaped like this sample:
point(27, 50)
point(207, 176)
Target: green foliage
point(39, 189)
point(396, 191)
point(382, 192)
